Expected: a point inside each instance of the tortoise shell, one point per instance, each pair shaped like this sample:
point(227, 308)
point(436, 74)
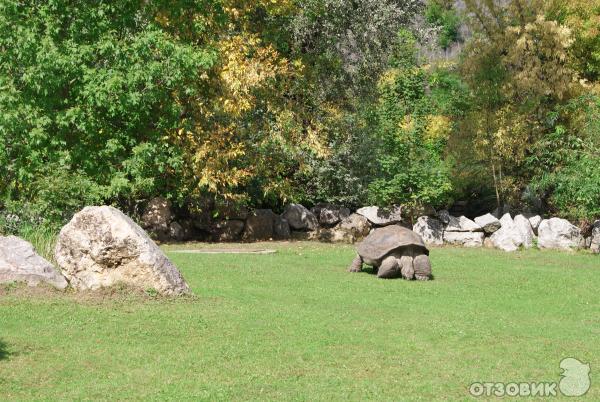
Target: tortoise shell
point(384, 240)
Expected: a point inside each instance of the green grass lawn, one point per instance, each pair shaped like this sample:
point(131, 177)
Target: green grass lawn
point(296, 326)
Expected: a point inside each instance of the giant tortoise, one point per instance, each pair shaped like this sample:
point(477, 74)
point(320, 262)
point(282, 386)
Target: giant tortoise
point(394, 251)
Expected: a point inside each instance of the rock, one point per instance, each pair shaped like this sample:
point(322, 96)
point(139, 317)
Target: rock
point(335, 235)
point(508, 237)
point(20, 263)
point(350, 230)
point(595, 242)
point(430, 229)
point(381, 216)
point(259, 225)
point(357, 225)
point(300, 218)
point(444, 216)
point(281, 229)
point(588, 242)
point(465, 239)
point(556, 233)
point(231, 211)
point(101, 247)
point(329, 215)
point(506, 220)
point(228, 230)
point(535, 223)
point(305, 236)
point(157, 216)
point(488, 243)
point(488, 222)
point(523, 227)
point(176, 231)
point(462, 224)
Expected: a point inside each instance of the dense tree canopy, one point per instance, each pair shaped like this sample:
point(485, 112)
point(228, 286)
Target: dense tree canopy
point(263, 102)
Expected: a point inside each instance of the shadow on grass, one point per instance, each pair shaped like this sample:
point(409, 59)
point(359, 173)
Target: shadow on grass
point(3, 350)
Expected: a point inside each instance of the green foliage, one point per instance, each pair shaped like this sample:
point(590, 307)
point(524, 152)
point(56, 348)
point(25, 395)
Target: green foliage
point(414, 122)
point(567, 161)
point(447, 19)
point(88, 93)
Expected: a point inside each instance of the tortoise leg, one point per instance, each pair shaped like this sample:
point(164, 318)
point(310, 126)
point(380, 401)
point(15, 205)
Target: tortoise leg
point(356, 265)
point(408, 271)
point(422, 267)
point(388, 268)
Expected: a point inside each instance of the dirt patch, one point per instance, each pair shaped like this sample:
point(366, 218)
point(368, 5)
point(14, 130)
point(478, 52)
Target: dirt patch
point(225, 251)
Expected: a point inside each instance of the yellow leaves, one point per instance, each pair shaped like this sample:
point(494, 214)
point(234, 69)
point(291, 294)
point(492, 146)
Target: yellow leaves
point(247, 67)
point(438, 127)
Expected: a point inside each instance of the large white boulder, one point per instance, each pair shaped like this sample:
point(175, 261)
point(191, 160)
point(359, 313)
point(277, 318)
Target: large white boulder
point(488, 222)
point(462, 224)
point(595, 245)
point(101, 247)
point(20, 263)
point(430, 229)
point(464, 239)
point(557, 233)
point(300, 218)
point(508, 237)
point(351, 229)
point(381, 216)
point(523, 227)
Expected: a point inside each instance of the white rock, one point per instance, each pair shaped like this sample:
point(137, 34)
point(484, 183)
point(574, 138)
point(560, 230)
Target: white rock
point(462, 224)
point(523, 227)
point(430, 229)
point(506, 220)
point(465, 239)
point(556, 233)
point(20, 263)
point(535, 223)
point(381, 216)
point(101, 247)
point(595, 244)
point(507, 238)
point(488, 222)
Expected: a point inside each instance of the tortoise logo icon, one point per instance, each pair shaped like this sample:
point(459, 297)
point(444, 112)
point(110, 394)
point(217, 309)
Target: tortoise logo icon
point(575, 379)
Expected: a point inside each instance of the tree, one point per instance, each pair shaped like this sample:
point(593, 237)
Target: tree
point(518, 66)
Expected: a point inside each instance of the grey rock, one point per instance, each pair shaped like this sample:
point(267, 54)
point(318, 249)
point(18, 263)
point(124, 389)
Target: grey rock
point(430, 229)
point(557, 233)
point(444, 216)
point(20, 263)
point(329, 215)
point(228, 230)
point(101, 247)
point(350, 230)
point(259, 225)
point(300, 218)
point(465, 239)
point(281, 229)
point(462, 224)
point(157, 216)
point(488, 222)
point(381, 216)
point(176, 231)
point(595, 242)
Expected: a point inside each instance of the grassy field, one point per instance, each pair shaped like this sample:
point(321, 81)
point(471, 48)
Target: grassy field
point(295, 326)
